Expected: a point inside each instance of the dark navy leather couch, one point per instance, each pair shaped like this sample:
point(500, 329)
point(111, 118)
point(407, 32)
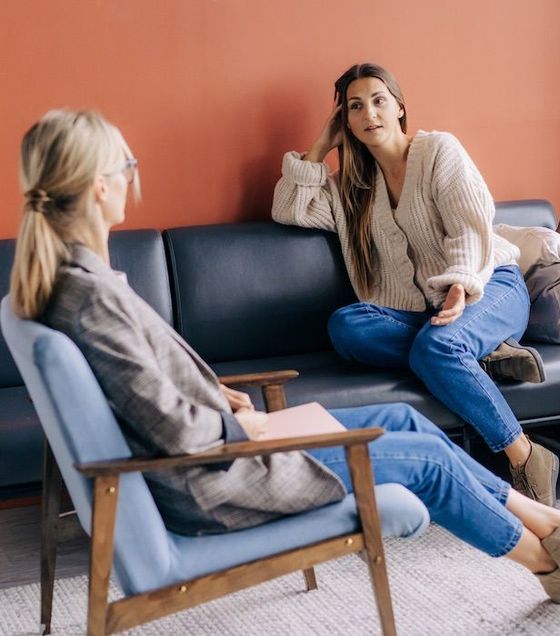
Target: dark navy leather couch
point(255, 297)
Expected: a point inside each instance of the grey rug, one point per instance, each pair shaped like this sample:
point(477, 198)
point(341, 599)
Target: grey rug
point(440, 587)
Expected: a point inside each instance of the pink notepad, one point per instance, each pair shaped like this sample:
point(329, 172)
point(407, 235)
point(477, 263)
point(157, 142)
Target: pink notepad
point(301, 421)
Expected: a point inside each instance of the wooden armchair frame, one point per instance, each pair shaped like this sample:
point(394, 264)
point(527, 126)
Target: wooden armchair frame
point(108, 618)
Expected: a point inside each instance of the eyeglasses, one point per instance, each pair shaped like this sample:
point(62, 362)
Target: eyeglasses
point(129, 170)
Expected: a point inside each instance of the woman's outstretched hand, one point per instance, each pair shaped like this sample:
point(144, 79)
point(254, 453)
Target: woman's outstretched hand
point(330, 136)
point(452, 308)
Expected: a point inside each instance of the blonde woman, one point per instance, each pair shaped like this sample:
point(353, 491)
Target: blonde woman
point(438, 290)
point(76, 171)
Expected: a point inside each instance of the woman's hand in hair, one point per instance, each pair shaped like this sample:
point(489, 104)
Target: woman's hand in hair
point(254, 423)
point(237, 399)
point(452, 308)
point(330, 137)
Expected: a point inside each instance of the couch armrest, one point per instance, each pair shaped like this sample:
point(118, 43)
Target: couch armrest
point(228, 452)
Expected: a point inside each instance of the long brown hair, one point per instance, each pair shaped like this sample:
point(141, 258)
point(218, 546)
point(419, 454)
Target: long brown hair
point(61, 155)
point(358, 173)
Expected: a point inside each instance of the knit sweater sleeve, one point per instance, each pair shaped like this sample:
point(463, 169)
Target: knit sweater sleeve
point(305, 195)
point(466, 209)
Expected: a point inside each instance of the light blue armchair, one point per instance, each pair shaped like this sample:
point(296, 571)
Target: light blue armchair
point(161, 572)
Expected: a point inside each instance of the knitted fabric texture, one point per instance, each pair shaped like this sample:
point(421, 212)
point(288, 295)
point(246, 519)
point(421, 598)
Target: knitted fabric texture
point(439, 234)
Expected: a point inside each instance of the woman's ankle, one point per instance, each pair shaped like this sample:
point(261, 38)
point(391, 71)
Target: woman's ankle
point(518, 451)
point(544, 565)
point(530, 553)
point(540, 519)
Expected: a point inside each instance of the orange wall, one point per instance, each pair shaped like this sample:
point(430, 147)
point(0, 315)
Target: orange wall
point(209, 93)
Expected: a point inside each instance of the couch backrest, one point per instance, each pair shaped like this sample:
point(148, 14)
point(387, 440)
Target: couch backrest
point(252, 290)
point(139, 253)
point(249, 290)
point(9, 375)
point(244, 290)
point(526, 213)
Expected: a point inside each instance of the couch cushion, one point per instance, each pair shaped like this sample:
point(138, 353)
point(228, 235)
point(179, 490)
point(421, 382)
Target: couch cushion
point(250, 290)
point(9, 375)
point(544, 289)
point(526, 213)
point(140, 253)
point(21, 438)
point(200, 556)
point(334, 383)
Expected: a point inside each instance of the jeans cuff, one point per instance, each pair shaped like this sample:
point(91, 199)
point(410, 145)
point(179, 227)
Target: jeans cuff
point(517, 531)
point(503, 493)
point(496, 448)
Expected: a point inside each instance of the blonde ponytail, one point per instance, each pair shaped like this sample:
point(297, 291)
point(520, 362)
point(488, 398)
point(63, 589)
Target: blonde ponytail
point(61, 156)
point(39, 252)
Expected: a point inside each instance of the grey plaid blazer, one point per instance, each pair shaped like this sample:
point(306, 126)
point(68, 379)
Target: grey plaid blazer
point(168, 402)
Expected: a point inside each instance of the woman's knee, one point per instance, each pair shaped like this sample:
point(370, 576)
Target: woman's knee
point(397, 416)
point(342, 329)
point(414, 420)
point(402, 513)
point(428, 350)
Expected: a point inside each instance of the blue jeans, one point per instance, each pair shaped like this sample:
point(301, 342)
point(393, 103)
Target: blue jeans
point(446, 357)
point(460, 494)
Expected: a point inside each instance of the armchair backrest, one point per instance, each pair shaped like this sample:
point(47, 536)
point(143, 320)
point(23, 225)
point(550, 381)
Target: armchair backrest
point(81, 427)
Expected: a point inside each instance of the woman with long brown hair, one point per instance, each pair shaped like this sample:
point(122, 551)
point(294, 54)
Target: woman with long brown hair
point(438, 289)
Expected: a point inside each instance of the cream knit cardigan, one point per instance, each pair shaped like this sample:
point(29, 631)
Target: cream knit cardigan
point(439, 234)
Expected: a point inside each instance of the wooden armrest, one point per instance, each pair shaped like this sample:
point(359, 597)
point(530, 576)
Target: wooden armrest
point(229, 452)
point(271, 383)
point(263, 379)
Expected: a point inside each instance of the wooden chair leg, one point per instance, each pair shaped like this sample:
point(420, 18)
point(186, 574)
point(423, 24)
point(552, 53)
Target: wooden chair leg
point(310, 579)
point(275, 399)
point(363, 484)
point(106, 490)
point(50, 509)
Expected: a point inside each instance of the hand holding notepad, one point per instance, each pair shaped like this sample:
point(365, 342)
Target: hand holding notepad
point(300, 421)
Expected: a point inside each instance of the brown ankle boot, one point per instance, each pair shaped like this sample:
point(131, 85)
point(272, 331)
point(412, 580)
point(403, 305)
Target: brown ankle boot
point(513, 361)
point(537, 478)
point(551, 581)
point(551, 584)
